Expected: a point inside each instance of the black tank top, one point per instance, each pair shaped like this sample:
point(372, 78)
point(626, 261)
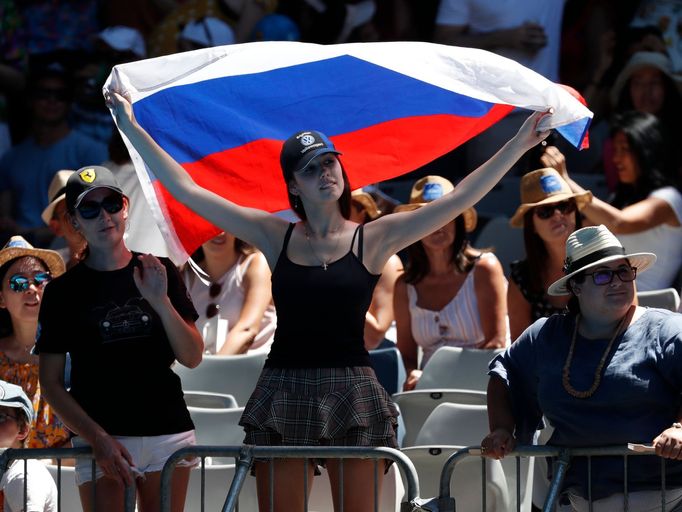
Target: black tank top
point(321, 313)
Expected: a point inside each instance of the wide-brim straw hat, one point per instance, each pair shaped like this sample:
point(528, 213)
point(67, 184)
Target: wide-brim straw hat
point(545, 186)
point(593, 246)
point(367, 202)
point(430, 188)
point(18, 247)
point(55, 193)
point(638, 61)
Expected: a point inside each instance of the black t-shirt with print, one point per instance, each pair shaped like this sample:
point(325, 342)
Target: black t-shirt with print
point(120, 355)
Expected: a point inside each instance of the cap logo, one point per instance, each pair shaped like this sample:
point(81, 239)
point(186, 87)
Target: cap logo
point(307, 140)
point(550, 184)
point(88, 175)
point(432, 191)
point(2, 393)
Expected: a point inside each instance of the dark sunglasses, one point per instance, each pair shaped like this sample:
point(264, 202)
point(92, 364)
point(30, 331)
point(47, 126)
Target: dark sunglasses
point(51, 94)
point(110, 204)
point(604, 277)
point(547, 210)
point(19, 283)
point(213, 308)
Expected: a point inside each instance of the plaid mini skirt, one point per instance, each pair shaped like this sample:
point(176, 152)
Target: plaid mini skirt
point(320, 407)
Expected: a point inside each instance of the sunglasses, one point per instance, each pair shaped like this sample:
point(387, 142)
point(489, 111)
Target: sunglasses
point(110, 204)
point(604, 277)
point(19, 283)
point(213, 308)
point(547, 210)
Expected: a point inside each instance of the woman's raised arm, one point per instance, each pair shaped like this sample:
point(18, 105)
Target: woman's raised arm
point(254, 226)
point(391, 233)
point(645, 214)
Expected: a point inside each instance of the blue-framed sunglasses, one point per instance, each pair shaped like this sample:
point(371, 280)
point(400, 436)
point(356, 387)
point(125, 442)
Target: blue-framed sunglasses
point(20, 283)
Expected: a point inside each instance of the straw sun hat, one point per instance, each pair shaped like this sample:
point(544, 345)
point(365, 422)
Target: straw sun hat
point(56, 193)
point(545, 186)
point(430, 188)
point(367, 202)
point(593, 246)
point(18, 247)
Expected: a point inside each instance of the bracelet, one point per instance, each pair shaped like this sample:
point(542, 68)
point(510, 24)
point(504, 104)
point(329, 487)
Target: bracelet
point(676, 425)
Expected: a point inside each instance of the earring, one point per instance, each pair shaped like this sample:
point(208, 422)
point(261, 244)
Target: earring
point(295, 202)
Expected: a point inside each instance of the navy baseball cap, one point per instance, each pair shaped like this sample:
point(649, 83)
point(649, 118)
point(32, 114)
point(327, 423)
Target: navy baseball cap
point(300, 149)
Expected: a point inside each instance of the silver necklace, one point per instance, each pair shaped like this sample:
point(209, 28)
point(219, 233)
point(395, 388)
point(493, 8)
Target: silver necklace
point(308, 232)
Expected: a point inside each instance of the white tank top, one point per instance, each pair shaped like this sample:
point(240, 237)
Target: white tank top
point(231, 300)
point(458, 324)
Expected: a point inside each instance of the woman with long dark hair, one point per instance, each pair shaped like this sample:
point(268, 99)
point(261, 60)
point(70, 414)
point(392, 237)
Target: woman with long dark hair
point(25, 271)
point(451, 293)
point(645, 212)
point(318, 387)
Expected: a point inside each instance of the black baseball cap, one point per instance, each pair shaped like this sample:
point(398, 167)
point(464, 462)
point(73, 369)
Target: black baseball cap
point(300, 149)
point(86, 179)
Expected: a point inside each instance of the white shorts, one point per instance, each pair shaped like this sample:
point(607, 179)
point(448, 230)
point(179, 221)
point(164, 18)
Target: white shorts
point(149, 454)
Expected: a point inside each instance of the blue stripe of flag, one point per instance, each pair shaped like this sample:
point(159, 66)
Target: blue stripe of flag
point(336, 96)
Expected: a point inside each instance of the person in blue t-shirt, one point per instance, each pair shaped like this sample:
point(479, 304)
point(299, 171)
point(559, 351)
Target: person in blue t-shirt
point(27, 169)
point(606, 373)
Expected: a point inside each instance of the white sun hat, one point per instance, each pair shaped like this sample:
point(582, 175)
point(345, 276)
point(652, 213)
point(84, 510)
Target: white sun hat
point(592, 246)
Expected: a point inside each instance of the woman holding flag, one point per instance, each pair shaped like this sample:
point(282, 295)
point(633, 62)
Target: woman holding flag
point(318, 387)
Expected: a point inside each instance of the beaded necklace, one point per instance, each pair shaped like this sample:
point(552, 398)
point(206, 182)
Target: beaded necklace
point(566, 372)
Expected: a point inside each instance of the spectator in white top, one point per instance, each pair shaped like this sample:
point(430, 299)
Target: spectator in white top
point(16, 415)
point(229, 283)
point(645, 212)
point(450, 294)
point(527, 31)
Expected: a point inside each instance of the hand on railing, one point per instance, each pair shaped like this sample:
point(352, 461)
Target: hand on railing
point(498, 443)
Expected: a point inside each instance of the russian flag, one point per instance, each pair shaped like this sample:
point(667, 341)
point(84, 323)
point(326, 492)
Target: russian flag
point(390, 108)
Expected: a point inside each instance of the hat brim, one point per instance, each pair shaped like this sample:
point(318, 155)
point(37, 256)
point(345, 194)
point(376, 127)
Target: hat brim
point(581, 199)
point(52, 259)
point(470, 215)
point(48, 212)
point(82, 195)
point(640, 260)
point(368, 204)
point(309, 157)
point(629, 69)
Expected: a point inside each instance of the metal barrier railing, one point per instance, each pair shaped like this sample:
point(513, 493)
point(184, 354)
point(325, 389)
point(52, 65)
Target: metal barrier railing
point(562, 457)
point(58, 454)
point(246, 455)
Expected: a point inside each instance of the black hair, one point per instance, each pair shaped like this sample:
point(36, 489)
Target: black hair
point(5, 319)
point(645, 139)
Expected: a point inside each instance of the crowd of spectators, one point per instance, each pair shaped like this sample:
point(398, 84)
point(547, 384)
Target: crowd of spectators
point(624, 58)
